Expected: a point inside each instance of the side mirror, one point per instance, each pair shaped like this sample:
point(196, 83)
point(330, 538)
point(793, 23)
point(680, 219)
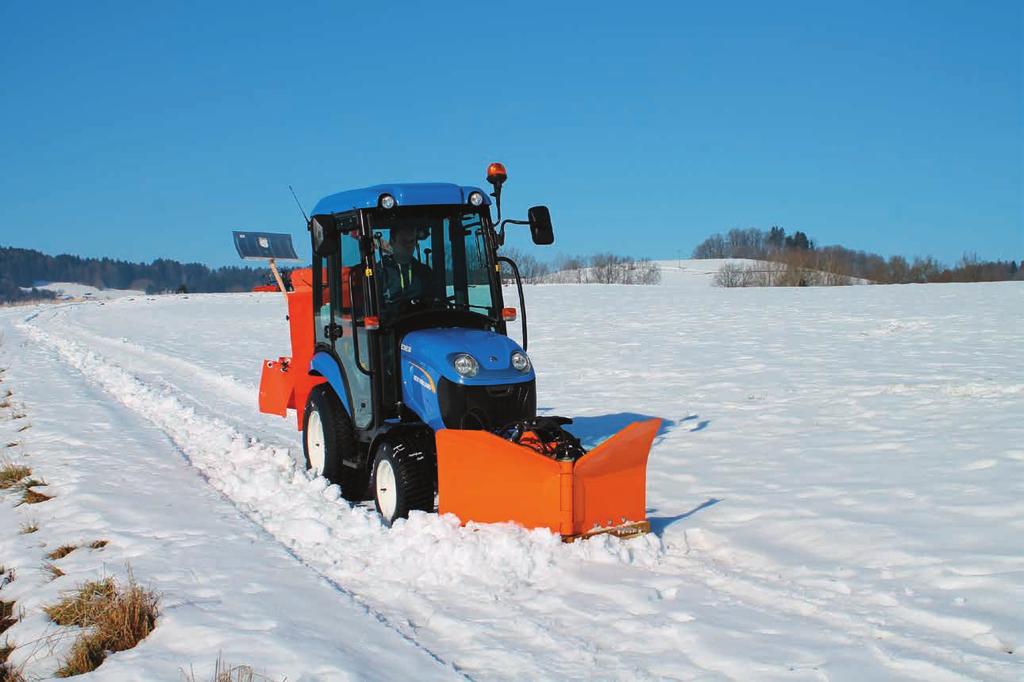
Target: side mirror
point(325, 234)
point(540, 225)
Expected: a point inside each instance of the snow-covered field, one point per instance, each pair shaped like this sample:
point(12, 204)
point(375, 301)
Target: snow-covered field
point(837, 493)
point(75, 291)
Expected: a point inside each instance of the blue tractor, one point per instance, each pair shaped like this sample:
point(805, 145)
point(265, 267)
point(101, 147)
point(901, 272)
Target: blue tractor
point(400, 333)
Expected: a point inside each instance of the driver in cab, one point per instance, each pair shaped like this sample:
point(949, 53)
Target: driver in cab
point(404, 277)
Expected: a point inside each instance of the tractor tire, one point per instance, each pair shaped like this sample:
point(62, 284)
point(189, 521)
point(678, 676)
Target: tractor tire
point(328, 437)
point(404, 477)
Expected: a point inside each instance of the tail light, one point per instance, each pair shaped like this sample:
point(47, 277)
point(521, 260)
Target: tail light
point(371, 322)
point(508, 314)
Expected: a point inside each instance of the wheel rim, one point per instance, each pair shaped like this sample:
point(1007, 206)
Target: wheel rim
point(315, 447)
point(387, 494)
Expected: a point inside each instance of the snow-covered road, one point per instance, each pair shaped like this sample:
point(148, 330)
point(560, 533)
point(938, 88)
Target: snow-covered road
point(837, 492)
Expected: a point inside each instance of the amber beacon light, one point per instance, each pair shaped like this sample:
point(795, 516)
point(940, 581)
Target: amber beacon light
point(496, 173)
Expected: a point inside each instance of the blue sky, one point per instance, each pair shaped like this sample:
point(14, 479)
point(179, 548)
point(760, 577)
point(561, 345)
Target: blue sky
point(144, 130)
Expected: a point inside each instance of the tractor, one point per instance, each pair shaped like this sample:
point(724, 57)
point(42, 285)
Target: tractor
point(405, 382)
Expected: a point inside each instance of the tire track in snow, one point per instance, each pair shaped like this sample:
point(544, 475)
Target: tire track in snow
point(431, 553)
point(189, 435)
point(228, 387)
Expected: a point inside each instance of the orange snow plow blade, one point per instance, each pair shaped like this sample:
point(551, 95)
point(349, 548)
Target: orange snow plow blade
point(487, 479)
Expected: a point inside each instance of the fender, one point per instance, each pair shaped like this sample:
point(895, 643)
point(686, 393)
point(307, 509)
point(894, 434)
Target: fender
point(324, 364)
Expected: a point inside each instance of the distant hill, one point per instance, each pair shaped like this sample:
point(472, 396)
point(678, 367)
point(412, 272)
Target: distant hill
point(801, 255)
point(24, 268)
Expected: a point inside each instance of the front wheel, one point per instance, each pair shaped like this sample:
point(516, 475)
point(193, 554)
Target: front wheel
point(328, 439)
point(404, 472)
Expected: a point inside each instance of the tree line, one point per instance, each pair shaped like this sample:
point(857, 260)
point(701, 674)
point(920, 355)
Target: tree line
point(802, 256)
point(24, 267)
point(600, 268)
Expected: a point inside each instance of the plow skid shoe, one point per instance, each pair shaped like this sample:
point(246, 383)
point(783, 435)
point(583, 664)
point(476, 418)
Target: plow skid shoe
point(487, 479)
point(276, 387)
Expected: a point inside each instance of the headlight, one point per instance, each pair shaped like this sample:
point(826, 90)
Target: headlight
point(520, 361)
point(466, 365)
point(387, 201)
point(476, 198)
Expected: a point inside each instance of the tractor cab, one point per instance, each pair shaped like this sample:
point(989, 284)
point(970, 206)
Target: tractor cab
point(407, 300)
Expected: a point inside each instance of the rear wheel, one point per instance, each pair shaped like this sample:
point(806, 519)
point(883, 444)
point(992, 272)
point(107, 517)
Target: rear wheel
point(404, 473)
point(328, 438)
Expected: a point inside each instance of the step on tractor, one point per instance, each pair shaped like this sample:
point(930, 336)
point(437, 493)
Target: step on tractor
point(405, 383)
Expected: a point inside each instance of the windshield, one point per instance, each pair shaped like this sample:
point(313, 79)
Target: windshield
point(431, 257)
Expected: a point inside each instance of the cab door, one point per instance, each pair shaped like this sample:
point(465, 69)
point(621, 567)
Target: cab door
point(339, 320)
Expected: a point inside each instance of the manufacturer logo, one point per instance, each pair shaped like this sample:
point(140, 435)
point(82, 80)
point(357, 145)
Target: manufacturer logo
point(425, 381)
point(406, 349)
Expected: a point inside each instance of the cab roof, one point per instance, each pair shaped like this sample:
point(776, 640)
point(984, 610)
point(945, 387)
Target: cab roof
point(405, 194)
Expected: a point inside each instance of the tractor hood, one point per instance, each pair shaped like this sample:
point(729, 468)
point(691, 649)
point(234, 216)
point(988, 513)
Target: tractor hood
point(434, 350)
point(443, 398)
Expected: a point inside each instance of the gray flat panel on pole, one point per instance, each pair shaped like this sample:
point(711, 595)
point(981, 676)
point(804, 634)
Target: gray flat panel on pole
point(264, 246)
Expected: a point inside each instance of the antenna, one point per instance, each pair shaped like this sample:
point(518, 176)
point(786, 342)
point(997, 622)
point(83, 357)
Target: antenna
point(299, 205)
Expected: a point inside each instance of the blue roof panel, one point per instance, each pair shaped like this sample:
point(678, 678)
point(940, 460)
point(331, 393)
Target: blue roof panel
point(405, 193)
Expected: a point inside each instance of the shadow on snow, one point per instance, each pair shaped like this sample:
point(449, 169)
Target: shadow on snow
point(593, 430)
point(660, 523)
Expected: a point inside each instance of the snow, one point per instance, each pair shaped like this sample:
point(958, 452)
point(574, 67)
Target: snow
point(836, 493)
point(74, 291)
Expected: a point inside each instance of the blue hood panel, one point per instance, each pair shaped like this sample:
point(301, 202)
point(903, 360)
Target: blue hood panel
point(426, 357)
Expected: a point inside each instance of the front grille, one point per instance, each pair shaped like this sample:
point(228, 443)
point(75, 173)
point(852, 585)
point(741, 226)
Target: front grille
point(485, 407)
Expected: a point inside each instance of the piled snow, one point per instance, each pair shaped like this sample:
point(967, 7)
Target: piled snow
point(836, 492)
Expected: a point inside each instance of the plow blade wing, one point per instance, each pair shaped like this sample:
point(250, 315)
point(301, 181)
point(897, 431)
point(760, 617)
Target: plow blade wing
point(610, 483)
point(487, 479)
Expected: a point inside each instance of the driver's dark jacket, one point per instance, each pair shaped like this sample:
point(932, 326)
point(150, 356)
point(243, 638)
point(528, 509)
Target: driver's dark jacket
point(404, 281)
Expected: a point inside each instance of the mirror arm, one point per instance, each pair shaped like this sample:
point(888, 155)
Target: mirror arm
point(501, 228)
point(508, 221)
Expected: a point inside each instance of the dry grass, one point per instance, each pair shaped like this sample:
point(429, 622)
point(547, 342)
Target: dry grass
point(6, 576)
point(29, 527)
point(7, 673)
point(11, 473)
point(98, 544)
point(12, 444)
point(26, 427)
point(225, 672)
point(115, 617)
point(29, 496)
point(10, 675)
point(83, 606)
point(5, 403)
point(53, 570)
point(32, 497)
point(61, 552)
point(7, 617)
point(18, 415)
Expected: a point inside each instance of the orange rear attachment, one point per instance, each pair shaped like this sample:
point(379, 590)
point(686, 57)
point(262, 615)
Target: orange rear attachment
point(487, 479)
point(285, 383)
point(276, 387)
